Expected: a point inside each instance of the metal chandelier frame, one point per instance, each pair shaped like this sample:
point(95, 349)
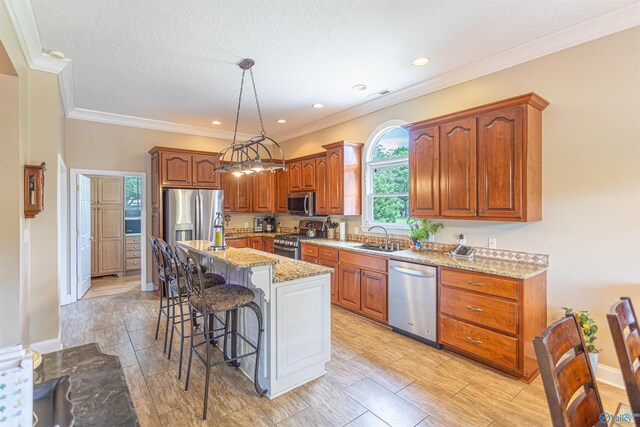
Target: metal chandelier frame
point(246, 157)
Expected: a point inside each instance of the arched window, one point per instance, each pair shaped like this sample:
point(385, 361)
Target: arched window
point(387, 177)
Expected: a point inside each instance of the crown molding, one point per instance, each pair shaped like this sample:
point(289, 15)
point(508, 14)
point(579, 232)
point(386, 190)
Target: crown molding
point(601, 26)
point(26, 29)
point(139, 122)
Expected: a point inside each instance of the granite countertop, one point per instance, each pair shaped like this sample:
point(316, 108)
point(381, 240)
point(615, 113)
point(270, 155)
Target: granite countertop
point(98, 391)
point(249, 234)
point(284, 269)
point(515, 270)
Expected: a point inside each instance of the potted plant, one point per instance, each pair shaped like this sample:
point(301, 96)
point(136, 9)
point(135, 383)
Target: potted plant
point(589, 329)
point(421, 228)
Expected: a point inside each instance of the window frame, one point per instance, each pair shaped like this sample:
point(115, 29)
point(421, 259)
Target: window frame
point(367, 179)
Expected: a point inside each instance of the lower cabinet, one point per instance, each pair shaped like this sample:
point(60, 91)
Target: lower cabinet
point(349, 286)
point(256, 243)
point(237, 243)
point(268, 244)
point(373, 297)
point(335, 293)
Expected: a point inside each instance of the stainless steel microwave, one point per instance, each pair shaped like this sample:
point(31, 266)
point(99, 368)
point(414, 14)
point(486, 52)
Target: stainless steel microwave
point(301, 204)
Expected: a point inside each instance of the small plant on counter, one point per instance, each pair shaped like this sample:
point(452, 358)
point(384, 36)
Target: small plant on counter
point(422, 228)
point(587, 325)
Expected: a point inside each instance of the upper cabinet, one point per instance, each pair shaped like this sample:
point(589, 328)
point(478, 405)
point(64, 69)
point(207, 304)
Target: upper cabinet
point(343, 190)
point(295, 176)
point(264, 192)
point(321, 185)
point(184, 168)
point(237, 192)
point(302, 175)
point(482, 163)
point(282, 187)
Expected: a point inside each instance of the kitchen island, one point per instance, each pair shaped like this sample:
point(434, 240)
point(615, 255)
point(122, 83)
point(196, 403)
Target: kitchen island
point(296, 307)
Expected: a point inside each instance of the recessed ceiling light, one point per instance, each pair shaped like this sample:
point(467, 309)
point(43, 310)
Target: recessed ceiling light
point(360, 87)
point(216, 122)
point(281, 121)
point(318, 105)
point(419, 62)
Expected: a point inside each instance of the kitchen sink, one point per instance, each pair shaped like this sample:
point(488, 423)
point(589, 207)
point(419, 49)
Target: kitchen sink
point(377, 248)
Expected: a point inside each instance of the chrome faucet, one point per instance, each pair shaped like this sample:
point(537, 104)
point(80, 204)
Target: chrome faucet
point(386, 236)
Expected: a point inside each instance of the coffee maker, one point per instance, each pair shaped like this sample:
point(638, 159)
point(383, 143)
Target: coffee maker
point(269, 224)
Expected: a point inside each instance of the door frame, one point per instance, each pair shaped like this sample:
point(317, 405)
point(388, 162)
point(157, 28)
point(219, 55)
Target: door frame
point(73, 224)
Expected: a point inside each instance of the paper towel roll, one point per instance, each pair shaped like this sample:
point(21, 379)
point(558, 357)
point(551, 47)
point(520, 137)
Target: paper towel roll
point(343, 231)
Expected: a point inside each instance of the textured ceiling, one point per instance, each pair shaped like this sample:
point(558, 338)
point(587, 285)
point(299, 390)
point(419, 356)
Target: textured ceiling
point(175, 60)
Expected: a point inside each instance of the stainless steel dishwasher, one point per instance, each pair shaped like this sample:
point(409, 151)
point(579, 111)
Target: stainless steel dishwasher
point(412, 301)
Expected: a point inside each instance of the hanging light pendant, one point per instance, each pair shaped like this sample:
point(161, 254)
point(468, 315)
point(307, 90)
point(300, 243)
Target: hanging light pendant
point(250, 156)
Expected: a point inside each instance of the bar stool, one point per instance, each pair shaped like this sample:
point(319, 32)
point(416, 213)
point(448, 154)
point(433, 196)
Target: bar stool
point(163, 310)
point(178, 295)
point(226, 299)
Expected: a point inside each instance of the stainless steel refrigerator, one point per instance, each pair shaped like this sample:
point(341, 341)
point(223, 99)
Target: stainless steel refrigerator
point(189, 214)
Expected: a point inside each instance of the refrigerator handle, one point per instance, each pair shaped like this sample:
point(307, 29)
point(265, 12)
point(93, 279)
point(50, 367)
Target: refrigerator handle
point(201, 227)
point(196, 228)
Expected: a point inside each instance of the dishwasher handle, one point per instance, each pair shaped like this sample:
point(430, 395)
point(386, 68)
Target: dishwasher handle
point(413, 272)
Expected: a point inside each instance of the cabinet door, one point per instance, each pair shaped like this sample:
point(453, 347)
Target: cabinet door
point(110, 190)
point(264, 188)
point(321, 185)
point(203, 174)
point(94, 241)
point(335, 292)
point(374, 294)
point(500, 164)
point(243, 194)
point(228, 186)
point(282, 185)
point(424, 172)
point(295, 177)
point(458, 175)
point(310, 259)
point(256, 243)
point(176, 169)
point(268, 245)
point(155, 182)
point(334, 190)
point(238, 243)
point(308, 175)
point(349, 286)
point(110, 239)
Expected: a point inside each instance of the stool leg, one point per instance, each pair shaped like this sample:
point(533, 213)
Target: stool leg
point(186, 383)
point(225, 344)
point(234, 338)
point(166, 330)
point(181, 339)
point(173, 326)
point(159, 314)
point(208, 374)
point(258, 312)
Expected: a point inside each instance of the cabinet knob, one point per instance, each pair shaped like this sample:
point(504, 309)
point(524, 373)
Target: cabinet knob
point(473, 211)
point(481, 210)
point(472, 341)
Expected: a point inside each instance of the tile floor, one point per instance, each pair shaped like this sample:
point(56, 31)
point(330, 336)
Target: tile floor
point(375, 378)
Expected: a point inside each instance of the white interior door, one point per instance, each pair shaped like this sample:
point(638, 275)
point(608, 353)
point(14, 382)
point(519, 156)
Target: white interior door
point(83, 235)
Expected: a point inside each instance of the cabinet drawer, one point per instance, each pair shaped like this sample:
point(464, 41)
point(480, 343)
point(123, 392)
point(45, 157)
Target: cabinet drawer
point(237, 243)
point(133, 264)
point(134, 247)
point(132, 254)
point(484, 283)
point(496, 349)
point(310, 251)
point(328, 254)
point(487, 311)
point(133, 239)
point(364, 261)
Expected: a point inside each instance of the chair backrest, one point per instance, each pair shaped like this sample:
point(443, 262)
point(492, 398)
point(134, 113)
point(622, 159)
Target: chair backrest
point(569, 383)
point(170, 267)
point(626, 339)
point(157, 257)
point(191, 271)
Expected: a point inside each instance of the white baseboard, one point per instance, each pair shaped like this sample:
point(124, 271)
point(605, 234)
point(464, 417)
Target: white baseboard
point(150, 287)
point(47, 346)
point(612, 376)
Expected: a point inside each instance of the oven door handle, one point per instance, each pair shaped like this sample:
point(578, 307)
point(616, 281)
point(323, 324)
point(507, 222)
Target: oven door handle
point(306, 204)
point(282, 248)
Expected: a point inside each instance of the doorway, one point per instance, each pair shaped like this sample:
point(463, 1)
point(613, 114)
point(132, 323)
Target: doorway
point(108, 229)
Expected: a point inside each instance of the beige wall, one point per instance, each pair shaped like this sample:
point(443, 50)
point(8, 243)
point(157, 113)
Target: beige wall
point(591, 169)
point(92, 145)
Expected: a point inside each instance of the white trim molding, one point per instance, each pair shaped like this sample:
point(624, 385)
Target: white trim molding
point(609, 375)
point(47, 346)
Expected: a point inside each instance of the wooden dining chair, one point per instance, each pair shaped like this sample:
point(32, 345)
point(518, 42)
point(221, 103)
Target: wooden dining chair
point(566, 371)
point(623, 324)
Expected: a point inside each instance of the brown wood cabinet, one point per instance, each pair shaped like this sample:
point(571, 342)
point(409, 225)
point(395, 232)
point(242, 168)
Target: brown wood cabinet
point(237, 192)
point(424, 172)
point(302, 174)
point(264, 192)
point(374, 294)
point(282, 188)
point(481, 163)
point(203, 174)
point(493, 319)
point(256, 243)
point(268, 244)
point(295, 176)
point(349, 292)
point(344, 178)
point(177, 168)
point(107, 225)
point(321, 186)
point(237, 243)
point(335, 292)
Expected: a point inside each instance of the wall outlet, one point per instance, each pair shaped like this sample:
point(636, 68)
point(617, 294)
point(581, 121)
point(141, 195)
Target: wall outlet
point(246, 225)
point(492, 242)
point(356, 230)
point(462, 239)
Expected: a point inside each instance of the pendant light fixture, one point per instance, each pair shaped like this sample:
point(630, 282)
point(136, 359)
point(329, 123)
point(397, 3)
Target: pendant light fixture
point(252, 156)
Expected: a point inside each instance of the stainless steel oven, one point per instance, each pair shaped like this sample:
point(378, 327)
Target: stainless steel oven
point(301, 204)
point(288, 251)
